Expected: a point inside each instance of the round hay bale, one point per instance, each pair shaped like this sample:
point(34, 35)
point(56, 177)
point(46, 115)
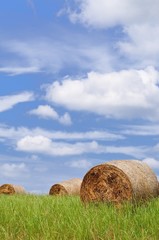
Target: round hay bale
point(119, 181)
point(11, 189)
point(69, 187)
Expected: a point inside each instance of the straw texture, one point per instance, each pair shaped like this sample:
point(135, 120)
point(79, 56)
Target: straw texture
point(119, 181)
point(11, 189)
point(68, 187)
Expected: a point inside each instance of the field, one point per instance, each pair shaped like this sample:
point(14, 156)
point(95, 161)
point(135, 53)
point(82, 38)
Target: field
point(44, 217)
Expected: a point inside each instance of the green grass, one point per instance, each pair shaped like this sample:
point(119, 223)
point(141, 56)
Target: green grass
point(44, 217)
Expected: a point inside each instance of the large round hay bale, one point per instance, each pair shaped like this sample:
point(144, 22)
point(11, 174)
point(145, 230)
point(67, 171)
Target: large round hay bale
point(11, 189)
point(119, 181)
point(68, 187)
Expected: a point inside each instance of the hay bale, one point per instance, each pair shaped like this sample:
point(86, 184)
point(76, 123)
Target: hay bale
point(119, 181)
point(69, 187)
point(11, 189)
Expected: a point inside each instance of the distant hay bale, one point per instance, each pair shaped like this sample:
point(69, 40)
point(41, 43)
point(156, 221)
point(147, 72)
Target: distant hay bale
point(11, 189)
point(69, 187)
point(119, 181)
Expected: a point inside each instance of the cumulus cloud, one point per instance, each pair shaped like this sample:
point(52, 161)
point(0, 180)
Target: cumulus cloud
point(142, 46)
point(41, 144)
point(34, 144)
point(44, 111)
point(13, 170)
point(111, 13)
point(47, 112)
point(7, 102)
point(44, 145)
point(126, 94)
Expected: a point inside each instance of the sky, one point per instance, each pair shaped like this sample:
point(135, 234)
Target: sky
point(79, 86)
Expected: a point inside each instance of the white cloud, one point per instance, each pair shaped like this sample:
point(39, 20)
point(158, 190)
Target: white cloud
point(152, 162)
point(7, 102)
point(34, 144)
point(65, 119)
point(124, 94)
point(142, 46)
point(81, 164)
point(141, 130)
point(14, 134)
point(137, 19)
point(104, 14)
point(17, 70)
point(41, 144)
point(12, 170)
point(47, 112)
point(44, 145)
point(137, 152)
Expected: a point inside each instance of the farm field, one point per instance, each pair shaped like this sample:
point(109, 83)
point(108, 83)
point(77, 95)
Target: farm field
point(31, 217)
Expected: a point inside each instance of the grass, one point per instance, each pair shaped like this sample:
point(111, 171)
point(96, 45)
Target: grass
point(58, 218)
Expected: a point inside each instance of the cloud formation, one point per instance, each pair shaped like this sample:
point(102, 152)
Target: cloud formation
point(142, 45)
point(44, 145)
point(14, 134)
point(47, 112)
point(125, 94)
point(103, 14)
point(17, 70)
point(8, 102)
point(141, 130)
point(41, 144)
point(137, 19)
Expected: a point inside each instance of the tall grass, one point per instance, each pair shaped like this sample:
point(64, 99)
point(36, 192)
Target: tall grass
point(45, 217)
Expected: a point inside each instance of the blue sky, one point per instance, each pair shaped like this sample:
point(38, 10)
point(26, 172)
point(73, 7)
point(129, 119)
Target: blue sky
point(79, 85)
